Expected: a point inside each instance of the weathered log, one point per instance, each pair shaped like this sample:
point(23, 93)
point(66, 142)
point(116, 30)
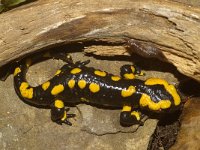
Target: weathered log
point(171, 27)
point(190, 119)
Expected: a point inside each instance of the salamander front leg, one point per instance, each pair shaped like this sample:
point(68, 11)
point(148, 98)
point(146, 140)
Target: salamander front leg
point(129, 117)
point(59, 113)
point(130, 71)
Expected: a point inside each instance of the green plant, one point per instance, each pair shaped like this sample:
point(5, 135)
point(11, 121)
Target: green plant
point(7, 4)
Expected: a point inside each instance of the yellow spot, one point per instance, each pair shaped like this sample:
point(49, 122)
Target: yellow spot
point(132, 69)
point(75, 70)
point(136, 114)
point(115, 78)
point(170, 88)
point(57, 89)
point(47, 54)
point(17, 70)
point(164, 104)
point(145, 100)
point(126, 108)
point(82, 84)
point(71, 83)
point(45, 85)
point(83, 99)
point(100, 73)
point(59, 104)
point(28, 62)
point(142, 73)
point(25, 91)
point(128, 92)
point(94, 87)
point(129, 76)
point(58, 72)
point(65, 116)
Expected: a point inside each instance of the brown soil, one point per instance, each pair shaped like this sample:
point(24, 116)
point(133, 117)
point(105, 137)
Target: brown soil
point(166, 133)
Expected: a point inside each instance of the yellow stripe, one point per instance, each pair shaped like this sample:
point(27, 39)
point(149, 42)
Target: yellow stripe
point(128, 92)
point(58, 72)
point(126, 108)
point(136, 114)
point(100, 73)
point(25, 91)
point(17, 70)
point(145, 100)
point(45, 85)
point(115, 78)
point(57, 89)
point(64, 117)
point(170, 88)
point(75, 70)
point(129, 76)
point(59, 104)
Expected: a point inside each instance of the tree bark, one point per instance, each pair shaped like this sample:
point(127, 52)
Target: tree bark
point(173, 28)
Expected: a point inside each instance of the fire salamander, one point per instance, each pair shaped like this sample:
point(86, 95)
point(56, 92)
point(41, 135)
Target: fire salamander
point(76, 83)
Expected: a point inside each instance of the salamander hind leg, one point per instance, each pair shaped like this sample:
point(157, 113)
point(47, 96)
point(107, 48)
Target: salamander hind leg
point(130, 71)
point(59, 113)
point(129, 117)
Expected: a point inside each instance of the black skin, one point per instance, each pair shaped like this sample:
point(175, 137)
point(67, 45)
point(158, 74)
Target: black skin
point(109, 94)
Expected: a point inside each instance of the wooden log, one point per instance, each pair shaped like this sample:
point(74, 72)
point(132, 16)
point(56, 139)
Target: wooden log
point(171, 27)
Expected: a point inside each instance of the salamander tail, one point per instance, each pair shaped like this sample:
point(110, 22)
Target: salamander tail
point(23, 89)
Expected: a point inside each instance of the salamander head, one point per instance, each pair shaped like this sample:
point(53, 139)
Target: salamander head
point(159, 96)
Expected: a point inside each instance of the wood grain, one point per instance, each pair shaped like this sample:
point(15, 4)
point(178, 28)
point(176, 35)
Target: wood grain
point(171, 27)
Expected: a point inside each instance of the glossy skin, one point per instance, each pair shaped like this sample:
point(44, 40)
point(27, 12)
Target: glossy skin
point(75, 83)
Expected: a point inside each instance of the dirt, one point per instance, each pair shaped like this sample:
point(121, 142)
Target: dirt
point(166, 133)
